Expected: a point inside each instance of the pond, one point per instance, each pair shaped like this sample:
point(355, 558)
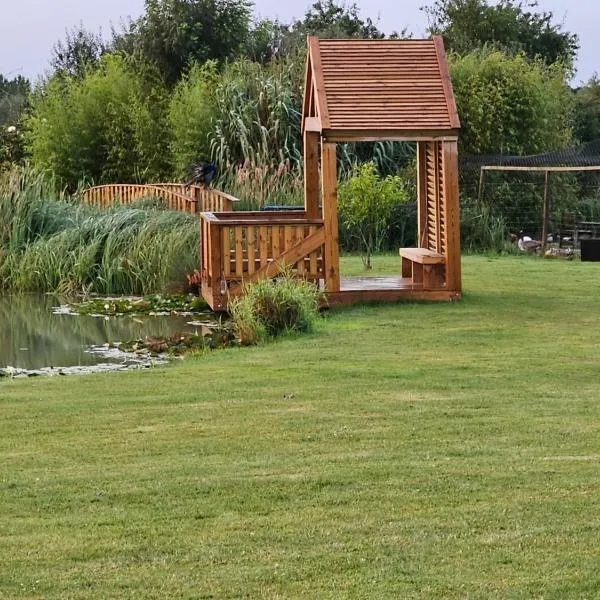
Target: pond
point(34, 336)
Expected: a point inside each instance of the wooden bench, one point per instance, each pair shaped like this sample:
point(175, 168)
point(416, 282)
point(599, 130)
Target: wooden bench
point(423, 267)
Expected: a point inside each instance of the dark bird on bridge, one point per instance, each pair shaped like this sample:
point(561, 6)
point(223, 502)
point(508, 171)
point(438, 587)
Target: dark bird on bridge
point(202, 174)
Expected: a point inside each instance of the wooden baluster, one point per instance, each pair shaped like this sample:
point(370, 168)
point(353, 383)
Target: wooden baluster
point(250, 245)
point(204, 247)
point(313, 255)
point(276, 248)
point(300, 265)
point(226, 250)
point(290, 237)
point(263, 245)
point(239, 251)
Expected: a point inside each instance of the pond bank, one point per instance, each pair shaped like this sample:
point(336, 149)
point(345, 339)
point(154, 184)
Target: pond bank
point(42, 335)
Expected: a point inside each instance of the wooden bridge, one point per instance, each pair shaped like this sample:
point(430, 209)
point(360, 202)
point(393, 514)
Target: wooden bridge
point(175, 196)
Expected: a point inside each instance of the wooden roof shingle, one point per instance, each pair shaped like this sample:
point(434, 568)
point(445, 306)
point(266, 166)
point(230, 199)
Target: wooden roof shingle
point(378, 89)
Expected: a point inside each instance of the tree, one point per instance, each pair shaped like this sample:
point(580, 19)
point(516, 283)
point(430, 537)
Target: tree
point(13, 102)
point(510, 105)
point(174, 34)
point(13, 99)
point(366, 206)
point(587, 111)
point(325, 18)
point(107, 127)
point(78, 53)
point(509, 25)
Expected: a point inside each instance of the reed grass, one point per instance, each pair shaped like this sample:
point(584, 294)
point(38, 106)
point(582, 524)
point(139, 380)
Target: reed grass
point(272, 307)
point(50, 243)
point(267, 185)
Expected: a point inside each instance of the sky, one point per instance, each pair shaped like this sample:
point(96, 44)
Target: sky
point(30, 28)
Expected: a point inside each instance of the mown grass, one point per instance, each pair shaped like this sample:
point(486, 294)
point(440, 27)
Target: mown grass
point(400, 451)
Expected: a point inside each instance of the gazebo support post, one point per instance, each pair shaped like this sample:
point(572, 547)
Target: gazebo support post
point(311, 174)
point(450, 167)
point(330, 217)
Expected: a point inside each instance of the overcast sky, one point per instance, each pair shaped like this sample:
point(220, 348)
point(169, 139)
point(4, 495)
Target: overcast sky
point(29, 28)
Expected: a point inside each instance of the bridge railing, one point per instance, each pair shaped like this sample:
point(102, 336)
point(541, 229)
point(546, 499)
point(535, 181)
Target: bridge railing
point(242, 247)
point(176, 196)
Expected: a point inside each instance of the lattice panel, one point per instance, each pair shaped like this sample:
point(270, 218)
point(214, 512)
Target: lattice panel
point(434, 236)
point(441, 238)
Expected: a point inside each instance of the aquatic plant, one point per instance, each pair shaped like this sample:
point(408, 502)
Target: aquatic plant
point(49, 242)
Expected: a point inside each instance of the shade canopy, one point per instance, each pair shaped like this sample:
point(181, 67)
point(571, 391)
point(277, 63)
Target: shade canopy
point(373, 90)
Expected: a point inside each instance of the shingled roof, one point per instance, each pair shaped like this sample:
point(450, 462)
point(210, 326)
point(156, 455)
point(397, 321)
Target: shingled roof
point(378, 89)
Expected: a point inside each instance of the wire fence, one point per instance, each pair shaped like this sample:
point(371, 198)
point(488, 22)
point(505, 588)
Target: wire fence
point(542, 196)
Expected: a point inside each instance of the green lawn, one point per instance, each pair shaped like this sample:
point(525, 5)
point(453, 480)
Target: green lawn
point(401, 451)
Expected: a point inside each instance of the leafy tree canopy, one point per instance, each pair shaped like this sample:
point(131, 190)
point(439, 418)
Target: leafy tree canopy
point(510, 25)
point(587, 110)
point(78, 53)
point(104, 128)
point(13, 97)
point(509, 104)
point(173, 34)
point(325, 18)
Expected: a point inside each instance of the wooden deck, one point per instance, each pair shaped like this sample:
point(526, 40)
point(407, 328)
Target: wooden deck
point(385, 289)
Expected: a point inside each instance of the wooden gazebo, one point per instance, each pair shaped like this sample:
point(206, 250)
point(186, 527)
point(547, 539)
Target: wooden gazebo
point(355, 91)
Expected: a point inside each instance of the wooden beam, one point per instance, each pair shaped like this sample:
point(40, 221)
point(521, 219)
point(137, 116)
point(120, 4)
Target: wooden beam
point(330, 217)
point(541, 169)
point(318, 80)
point(421, 190)
point(439, 194)
point(307, 91)
point(450, 166)
point(546, 210)
point(311, 174)
point(446, 82)
point(388, 135)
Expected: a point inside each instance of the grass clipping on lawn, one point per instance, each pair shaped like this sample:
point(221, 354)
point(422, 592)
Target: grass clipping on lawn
point(419, 451)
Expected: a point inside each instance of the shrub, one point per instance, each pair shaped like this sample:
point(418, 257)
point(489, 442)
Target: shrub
point(109, 126)
point(366, 206)
point(272, 307)
point(191, 114)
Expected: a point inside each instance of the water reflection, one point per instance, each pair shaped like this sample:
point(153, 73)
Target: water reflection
point(31, 337)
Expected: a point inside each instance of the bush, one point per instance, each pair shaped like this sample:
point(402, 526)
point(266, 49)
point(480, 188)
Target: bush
point(366, 206)
point(272, 307)
point(509, 104)
point(191, 114)
point(109, 126)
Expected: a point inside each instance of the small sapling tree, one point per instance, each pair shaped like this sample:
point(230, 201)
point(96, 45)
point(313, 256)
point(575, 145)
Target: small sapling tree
point(366, 205)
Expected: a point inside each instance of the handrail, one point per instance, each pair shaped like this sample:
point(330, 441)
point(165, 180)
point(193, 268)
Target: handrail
point(260, 218)
point(140, 187)
point(242, 247)
point(198, 199)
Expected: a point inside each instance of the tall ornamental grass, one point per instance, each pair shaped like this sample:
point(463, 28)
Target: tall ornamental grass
point(49, 243)
point(273, 307)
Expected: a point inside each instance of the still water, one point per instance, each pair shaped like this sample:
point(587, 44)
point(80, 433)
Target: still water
point(32, 337)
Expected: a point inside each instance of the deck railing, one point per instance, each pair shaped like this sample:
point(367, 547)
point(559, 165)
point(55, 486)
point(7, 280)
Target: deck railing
point(243, 247)
point(176, 196)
